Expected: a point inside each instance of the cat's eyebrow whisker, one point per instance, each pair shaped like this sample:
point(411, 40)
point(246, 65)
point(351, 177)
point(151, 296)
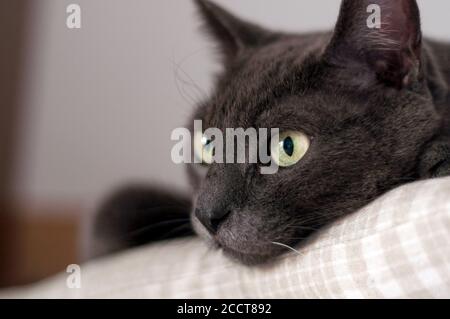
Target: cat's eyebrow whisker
point(287, 247)
point(188, 81)
point(185, 95)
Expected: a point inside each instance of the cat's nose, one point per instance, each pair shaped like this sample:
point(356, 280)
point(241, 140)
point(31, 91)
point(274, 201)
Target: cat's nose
point(212, 219)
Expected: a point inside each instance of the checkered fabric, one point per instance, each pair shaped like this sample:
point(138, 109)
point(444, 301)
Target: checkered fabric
point(397, 247)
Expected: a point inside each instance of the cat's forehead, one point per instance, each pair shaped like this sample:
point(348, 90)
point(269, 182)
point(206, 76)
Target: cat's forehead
point(263, 80)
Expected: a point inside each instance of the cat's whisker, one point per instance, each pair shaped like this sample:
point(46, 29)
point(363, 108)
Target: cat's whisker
point(198, 92)
point(191, 82)
point(186, 96)
point(149, 227)
point(303, 227)
point(295, 238)
point(287, 247)
point(176, 230)
point(165, 207)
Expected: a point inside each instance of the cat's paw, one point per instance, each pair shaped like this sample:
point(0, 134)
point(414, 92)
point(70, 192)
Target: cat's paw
point(435, 161)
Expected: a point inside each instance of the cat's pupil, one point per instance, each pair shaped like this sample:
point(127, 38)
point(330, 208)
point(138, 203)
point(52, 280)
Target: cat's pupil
point(208, 144)
point(288, 146)
point(206, 141)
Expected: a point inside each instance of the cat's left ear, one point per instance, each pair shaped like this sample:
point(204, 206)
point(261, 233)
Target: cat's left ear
point(378, 40)
point(232, 34)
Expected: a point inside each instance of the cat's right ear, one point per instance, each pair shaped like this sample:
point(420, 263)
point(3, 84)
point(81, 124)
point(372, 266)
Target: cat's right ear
point(231, 33)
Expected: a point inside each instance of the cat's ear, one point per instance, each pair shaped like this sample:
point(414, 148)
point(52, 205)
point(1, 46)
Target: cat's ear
point(231, 33)
point(382, 37)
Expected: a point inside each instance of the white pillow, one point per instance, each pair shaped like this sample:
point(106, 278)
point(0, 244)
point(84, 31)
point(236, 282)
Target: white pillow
point(397, 247)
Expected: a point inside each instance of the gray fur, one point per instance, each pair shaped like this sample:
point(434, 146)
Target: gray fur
point(375, 106)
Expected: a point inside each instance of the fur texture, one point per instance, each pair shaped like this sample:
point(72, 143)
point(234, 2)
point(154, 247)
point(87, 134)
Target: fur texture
point(375, 103)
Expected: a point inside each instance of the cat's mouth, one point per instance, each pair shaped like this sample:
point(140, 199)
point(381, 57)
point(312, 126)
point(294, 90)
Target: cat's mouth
point(249, 247)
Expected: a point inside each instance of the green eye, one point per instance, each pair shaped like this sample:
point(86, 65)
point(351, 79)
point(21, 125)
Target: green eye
point(204, 149)
point(291, 148)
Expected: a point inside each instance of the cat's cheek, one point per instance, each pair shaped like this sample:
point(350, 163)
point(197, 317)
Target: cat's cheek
point(196, 174)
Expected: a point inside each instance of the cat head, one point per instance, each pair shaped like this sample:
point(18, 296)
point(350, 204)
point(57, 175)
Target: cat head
point(358, 94)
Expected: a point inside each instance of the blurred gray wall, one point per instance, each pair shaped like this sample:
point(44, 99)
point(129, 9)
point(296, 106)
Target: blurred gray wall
point(100, 102)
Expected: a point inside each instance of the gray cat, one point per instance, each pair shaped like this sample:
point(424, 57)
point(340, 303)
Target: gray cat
point(374, 104)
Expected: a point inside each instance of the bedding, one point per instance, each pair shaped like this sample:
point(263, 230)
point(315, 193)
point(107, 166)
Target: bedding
point(396, 247)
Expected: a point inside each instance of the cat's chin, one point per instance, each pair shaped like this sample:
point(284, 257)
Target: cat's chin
point(246, 258)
